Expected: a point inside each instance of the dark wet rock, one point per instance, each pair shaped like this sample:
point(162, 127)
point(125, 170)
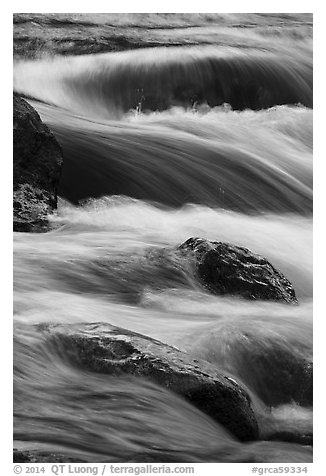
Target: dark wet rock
point(36, 169)
point(35, 456)
point(278, 370)
point(21, 456)
point(281, 376)
point(305, 392)
point(277, 375)
point(109, 349)
point(228, 269)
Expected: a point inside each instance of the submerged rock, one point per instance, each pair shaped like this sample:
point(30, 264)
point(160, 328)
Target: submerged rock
point(305, 439)
point(36, 169)
point(280, 377)
point(108, 349)
point(278, 372)
point(228, 269)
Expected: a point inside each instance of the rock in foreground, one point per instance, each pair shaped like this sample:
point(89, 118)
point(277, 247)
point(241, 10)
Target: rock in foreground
point(228, 269)
point(108, 349)
point(36, 169)
point(37, 456)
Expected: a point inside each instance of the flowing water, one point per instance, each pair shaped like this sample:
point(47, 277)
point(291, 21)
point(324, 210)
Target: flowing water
point(210, 138)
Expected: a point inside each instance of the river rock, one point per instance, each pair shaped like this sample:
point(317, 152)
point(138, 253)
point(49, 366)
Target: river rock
point(39, 456)
point(36, 169)
point(108, 349)
point(223, 268)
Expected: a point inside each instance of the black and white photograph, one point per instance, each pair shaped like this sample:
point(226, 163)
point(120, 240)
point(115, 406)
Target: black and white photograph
point(162, 239)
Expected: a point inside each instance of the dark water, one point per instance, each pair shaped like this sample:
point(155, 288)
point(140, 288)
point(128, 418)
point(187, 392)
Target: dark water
point(210, 138)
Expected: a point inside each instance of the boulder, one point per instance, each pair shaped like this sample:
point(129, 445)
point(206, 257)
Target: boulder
point(223, 268)
point(108, 349)
point(36, 168)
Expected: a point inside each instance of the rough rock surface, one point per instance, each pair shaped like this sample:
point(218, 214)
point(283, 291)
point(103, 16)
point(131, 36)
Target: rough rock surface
point(35, 456)
point(228, 269)
point(108, 349)
point(36, 169)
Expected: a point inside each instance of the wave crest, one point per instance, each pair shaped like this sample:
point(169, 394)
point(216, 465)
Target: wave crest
point(155, 79)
